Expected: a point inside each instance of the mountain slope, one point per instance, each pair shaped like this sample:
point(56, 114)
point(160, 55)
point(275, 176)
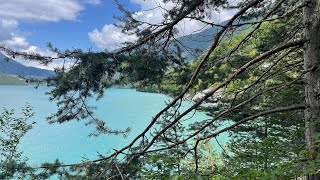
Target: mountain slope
point(10, 80)
point(195, 44)
point(201, 41)
point(13, 67)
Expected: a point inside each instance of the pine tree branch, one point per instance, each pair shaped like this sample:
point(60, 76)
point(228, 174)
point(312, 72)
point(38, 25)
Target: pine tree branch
point(190, 84)
point(222, 114)
point(226, 82)
point(244, 120)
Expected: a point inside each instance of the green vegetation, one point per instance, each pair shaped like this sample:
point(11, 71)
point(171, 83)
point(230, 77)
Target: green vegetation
point(6, 79)
point(265, 147)
point(11, 80)
point(12, 129)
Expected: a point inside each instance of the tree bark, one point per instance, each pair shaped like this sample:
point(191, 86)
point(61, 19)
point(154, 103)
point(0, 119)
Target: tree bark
point(311, 17)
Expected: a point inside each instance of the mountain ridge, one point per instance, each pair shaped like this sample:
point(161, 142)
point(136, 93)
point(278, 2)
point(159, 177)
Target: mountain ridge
point(12, 67)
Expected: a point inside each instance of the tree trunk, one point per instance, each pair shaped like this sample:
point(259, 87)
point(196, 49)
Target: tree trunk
point(311, 17)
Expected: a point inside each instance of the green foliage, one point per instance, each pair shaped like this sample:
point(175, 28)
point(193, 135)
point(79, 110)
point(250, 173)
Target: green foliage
point(261, 149)
point(12, 129)
point(143, 68)
point(264, 148)
point(168, 166)
point(10, 80)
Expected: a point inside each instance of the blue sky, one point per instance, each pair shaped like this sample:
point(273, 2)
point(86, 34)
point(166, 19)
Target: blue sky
point(74, 33)
point(28, 25)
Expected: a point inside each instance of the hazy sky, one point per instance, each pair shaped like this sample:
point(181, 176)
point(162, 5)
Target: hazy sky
point(28, 25)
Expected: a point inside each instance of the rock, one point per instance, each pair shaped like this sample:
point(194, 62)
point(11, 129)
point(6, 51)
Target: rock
point(214, 99)
point(213, 105)
point(187, 97)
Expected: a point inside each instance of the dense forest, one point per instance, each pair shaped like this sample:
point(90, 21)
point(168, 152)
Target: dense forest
point(259, 81)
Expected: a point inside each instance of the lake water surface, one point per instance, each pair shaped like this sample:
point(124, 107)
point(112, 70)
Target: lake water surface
point(69, 142)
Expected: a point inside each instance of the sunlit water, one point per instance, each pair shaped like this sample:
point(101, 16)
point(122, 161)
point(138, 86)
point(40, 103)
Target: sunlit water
point(69, 142)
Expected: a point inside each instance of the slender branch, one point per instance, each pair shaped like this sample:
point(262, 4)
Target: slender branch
point(196, 159)
point(226, 82)
point(248, 36)
point(115, 163)
point(263, 74)
point(224, 151)
point(272, 89)
point(192, 80)
point(244, 120)
point(212, 91)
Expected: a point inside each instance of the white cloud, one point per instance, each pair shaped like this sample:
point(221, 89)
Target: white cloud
point(16, 42)
point(24, 46)
point(110, 37)
point(93, 2)
point(152, 12)
point(12, 12)
point(188, 26)
point(43, 52)
point(40, 10)
point(8, 29)
point(12, 37)
point(150, 4)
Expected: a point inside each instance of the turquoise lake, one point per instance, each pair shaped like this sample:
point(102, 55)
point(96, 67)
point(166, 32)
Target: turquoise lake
point(69, 142)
